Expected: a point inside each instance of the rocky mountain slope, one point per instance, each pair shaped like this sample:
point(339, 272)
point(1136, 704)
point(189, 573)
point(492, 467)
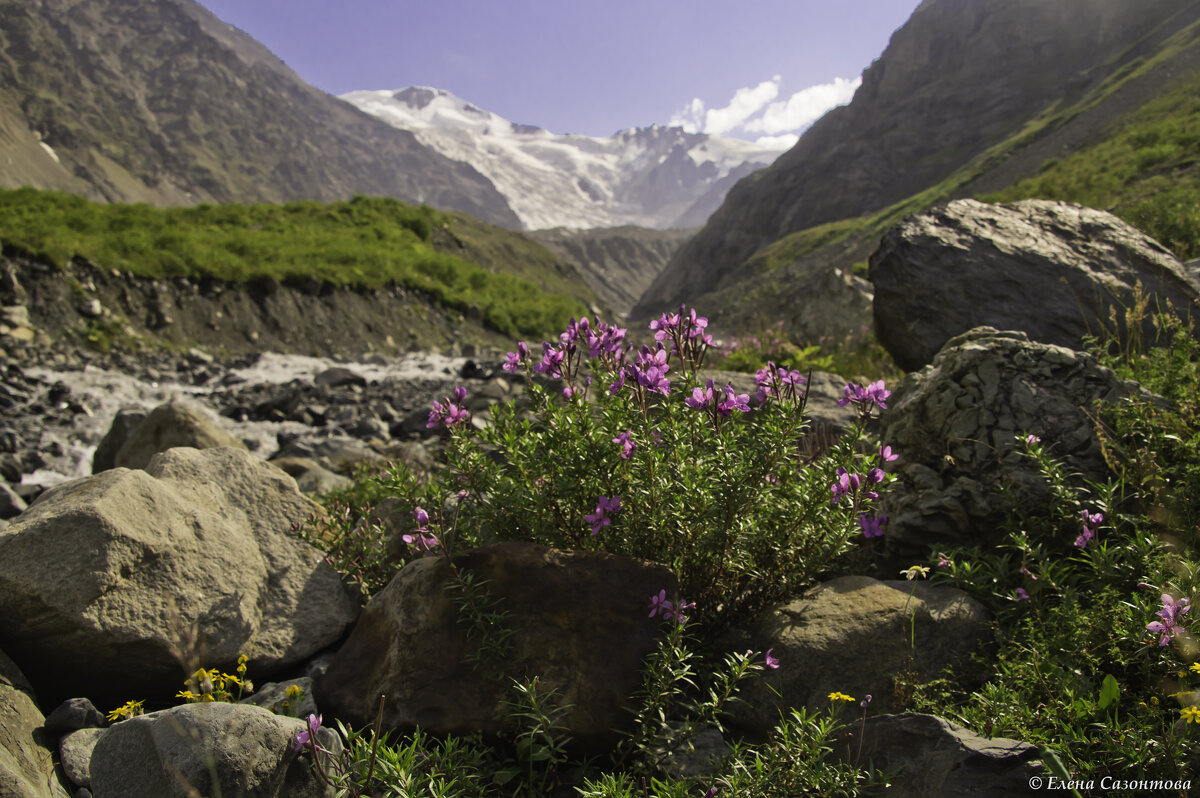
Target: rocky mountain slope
point(163, 103)
point(617, 263)
point(962, 91)
point(656, 176)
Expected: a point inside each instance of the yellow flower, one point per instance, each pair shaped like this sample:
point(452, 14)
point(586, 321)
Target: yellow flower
point(295, 691)
point(186, 695)
point(1153, 700)
point(241, 668)
point(1195, 667)
point(915, 572)
point(1190, 714)
point(840, 697)
point(126, 710)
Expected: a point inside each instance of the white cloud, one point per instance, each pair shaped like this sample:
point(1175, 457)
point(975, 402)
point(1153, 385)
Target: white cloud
point(745, 103)
point(751, 111)
point(804, 107)
point(690, 118)
point(784, 142)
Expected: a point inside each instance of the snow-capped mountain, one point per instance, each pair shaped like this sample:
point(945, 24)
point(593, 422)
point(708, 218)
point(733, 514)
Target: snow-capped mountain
point(656, 176)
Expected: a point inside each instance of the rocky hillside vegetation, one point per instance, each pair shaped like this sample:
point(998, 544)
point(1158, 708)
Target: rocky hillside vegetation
point(374, 270)
point(1085, 101)
point(163, 103)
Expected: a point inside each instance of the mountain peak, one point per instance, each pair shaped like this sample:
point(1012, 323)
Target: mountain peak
point(654, 176)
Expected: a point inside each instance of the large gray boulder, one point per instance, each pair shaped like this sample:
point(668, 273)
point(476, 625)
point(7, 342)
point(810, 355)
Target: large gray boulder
point(1053, 270)
point(115, 586)
point(855, 635)
point(204, 749)
point(26, 763)
point(178, 422)
point(934, 758)
point(955, 425)
point(579, 623)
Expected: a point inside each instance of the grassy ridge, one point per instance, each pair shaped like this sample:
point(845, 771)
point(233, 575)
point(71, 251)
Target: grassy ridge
point(1147, 171)
point(363, 242)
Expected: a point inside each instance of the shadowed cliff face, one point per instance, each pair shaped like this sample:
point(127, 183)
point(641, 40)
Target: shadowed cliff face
point(160, 102)
point(958, 77)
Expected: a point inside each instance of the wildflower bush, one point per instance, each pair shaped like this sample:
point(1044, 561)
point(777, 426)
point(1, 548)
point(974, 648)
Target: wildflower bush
point(632, 452)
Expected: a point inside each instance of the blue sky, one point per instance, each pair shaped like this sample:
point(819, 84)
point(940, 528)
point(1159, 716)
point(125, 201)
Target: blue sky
point(580, 66)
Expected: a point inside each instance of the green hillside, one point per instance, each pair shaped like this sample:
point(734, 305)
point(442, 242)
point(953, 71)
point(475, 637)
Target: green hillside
point(517, 285)
point(1147, 171)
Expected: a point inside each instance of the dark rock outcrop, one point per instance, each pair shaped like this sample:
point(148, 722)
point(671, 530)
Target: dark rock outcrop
point(955, 425)
point(579, 623)
point(1052, 270)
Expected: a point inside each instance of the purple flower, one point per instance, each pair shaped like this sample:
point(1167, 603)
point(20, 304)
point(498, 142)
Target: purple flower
point(660, 603)
point(712, 793)
point(627, 444)
point(600, 519)
point(885, 452)
point(739, 402)
point(873, 394)
point(1022, 595)
point(615, 388)
point(665, 325)
point(514, 360)
point(1171, 613)
point(422, 518)
point(943, 560)
point(605, 340)
point(552, 360)
point(701, 397)
point(427, 544)
point(679, 610)
point(846, 482)
point(772, 661)
point(1090, 523)
point(449, 413)
point(309, 735)
point(1031, 439)
point(872, 527)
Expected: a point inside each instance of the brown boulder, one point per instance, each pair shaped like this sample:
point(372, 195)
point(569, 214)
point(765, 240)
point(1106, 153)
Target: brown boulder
point(579, 623)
